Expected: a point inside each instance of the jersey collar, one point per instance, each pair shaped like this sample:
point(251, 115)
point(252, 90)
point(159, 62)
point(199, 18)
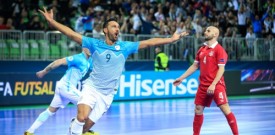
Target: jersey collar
point(211, 46)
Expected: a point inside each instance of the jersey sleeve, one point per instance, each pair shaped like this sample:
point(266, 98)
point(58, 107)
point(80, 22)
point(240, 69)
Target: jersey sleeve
point(132, 47)
point(70, 60)
point(221, 56)
point(89, 43)
point(74, 59)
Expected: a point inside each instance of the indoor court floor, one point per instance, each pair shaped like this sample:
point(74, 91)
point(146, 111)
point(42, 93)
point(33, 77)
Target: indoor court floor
point(255, 116)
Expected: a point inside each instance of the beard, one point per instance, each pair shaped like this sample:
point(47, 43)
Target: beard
point(113, 38)
point(207, 38)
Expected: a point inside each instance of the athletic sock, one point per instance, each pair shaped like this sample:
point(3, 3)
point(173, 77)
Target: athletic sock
point(197, 123)
point(40, 120)
point(232, 123)
point(77, 127)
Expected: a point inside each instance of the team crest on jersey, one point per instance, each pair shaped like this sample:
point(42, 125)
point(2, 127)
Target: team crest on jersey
point(117, 47)
point(201, 53)
point(70, 58)
point(211, 53)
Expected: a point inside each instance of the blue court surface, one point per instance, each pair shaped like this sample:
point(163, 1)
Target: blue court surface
point(255, 116)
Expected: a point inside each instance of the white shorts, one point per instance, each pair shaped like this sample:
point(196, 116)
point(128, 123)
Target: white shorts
point(65, 94)
point(98, 102)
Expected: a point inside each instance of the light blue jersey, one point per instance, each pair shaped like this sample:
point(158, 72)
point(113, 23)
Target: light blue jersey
point(78, 66)
point(108, 62)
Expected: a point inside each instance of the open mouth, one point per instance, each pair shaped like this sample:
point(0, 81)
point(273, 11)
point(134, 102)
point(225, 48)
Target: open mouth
point(116, 35)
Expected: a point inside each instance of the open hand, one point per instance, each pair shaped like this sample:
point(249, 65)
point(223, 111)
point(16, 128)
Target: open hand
point(47, 14)
point(177, 35)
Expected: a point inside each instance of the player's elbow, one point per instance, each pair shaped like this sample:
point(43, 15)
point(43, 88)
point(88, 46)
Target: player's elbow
point(76, 37)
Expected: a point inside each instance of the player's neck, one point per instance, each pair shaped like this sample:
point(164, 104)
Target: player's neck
point(109, 42)
point(211, 42)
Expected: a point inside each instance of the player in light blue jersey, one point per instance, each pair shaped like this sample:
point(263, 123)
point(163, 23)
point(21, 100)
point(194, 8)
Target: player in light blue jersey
point(109, 58)
point(66, 89)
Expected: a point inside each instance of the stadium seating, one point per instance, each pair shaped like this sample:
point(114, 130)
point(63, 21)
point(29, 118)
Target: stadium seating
point(34, 49)
point(64, 48)
point(14, 49)
point(4, 50)
point(54, 51)
point(44, 49)
point(25, 49)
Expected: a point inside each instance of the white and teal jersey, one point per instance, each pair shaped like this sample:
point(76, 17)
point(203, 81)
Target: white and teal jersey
point(78, 66)
point(108, 62)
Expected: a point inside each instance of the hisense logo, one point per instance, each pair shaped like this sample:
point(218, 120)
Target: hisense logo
point(137, 86)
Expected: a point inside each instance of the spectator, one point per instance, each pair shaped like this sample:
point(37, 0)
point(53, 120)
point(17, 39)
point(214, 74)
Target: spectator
point(97, 31)
point(250, 39)
point(2, 25)
point(242, 20)
point(172, 12)
point(87, 20)
point(79, 25)
point(36, 24)
point(159, 15)
point(257, 23)
point(197, 27)
point(9, 24)
point(135, 19)
point(267, 26)
point(220, 5)
point(161, 60)
point(24, 21)
point(147, 26)
point(84, 4)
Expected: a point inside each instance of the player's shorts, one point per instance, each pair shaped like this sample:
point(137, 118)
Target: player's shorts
point(219, 96)
point(65, 94)
point(98, 102)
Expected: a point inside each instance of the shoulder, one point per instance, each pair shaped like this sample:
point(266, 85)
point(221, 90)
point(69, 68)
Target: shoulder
point(219, 48)
point(127, 43)
point(85, 38)
point(203, 46)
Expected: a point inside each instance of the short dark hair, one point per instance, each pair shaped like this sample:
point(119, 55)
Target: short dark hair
point(109, 20)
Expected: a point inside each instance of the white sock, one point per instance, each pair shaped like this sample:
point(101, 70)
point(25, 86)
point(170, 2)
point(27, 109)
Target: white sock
point(40, 120)
point(77, 127)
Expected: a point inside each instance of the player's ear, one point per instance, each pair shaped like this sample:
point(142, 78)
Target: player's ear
point(105, 30)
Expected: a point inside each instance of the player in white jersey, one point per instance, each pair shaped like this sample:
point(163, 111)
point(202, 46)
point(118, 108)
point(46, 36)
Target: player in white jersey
point(66, 89)
point(109, 58)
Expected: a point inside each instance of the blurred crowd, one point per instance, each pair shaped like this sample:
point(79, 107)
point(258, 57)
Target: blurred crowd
point(234, 18)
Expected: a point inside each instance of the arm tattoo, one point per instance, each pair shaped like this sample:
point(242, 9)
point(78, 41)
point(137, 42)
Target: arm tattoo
point(49, 67)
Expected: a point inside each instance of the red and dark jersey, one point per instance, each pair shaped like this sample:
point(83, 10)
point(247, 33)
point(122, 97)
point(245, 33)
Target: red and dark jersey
point(209, 59)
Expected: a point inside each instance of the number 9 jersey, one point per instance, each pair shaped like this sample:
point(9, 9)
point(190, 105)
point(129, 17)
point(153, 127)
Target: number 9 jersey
point(108, 62)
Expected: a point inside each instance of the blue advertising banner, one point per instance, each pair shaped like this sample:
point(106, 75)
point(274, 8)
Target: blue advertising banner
point(151, 85)
point(26, 88)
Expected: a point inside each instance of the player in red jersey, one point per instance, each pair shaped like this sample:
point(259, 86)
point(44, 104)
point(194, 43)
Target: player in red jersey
point(211, 58)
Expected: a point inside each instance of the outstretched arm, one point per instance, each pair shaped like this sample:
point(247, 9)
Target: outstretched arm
point(189, 71)
point(51, 66)
point(161, 41)
point(62, 28)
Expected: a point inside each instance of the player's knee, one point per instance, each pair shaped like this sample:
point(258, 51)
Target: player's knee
point(198, 110)
point(225, 109)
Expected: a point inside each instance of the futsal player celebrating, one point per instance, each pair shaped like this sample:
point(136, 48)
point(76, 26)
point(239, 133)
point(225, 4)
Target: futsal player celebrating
point(109, 58)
